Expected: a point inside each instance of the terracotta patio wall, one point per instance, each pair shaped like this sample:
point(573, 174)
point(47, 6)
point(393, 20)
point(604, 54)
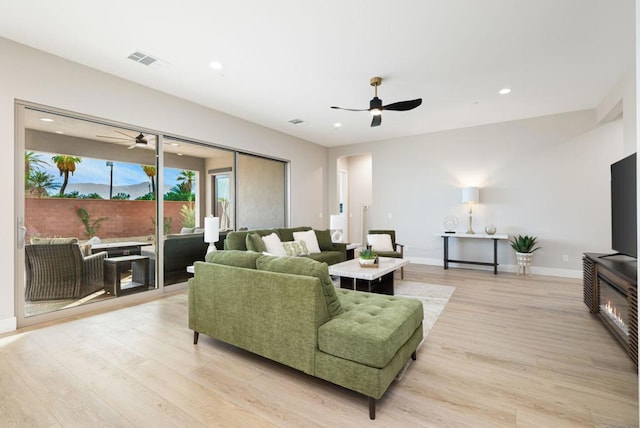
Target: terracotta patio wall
point(47, 217)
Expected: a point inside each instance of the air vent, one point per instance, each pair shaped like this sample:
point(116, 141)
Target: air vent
point(296, 121)
point(143, 58)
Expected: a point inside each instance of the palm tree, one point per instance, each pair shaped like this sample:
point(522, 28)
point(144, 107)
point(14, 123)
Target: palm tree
point(187, 178)
point(40, 183)
point(31, 160)
point(66, 164)
point(151, 173)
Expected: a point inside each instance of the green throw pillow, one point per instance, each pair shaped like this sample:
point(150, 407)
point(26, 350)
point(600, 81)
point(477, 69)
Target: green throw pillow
point(236, 258)
point(255, 243)
point(324, 240)
point(308, 267)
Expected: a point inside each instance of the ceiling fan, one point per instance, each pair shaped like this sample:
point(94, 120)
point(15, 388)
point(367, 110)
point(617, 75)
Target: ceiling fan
point(139, 141)
point(376, 107)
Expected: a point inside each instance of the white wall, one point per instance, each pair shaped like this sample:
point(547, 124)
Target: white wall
point(546, 176)
point(34, 76)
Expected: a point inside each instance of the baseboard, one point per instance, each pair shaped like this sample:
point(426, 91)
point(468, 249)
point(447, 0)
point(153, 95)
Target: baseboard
point(8, 324)
point(563, 273)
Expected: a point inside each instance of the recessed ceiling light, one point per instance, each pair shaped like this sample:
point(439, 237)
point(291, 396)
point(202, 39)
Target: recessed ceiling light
point(337, 125)
point(59, 132)
point(504, 91)
point(296, 121)
point(215, 65)
point(46, 119)
point(179, 154)
point(174, 144)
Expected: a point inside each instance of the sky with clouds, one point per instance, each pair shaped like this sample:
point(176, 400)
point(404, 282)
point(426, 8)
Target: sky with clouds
point(96, 171)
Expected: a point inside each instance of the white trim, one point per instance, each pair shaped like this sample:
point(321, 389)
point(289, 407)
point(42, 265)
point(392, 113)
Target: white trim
point(8, 324)
point(564, 273)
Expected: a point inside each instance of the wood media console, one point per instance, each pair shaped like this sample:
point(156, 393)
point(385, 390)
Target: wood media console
point(611, 292)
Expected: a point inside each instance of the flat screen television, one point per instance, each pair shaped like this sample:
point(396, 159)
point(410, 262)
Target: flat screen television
point(624, 207)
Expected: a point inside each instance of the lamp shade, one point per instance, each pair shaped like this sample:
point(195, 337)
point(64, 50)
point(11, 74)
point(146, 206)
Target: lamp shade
point(471, 195)
point(337, 222)
point(211, 229)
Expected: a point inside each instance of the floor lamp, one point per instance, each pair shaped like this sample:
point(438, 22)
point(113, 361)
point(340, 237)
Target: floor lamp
point(470, 195)
point(211, 232)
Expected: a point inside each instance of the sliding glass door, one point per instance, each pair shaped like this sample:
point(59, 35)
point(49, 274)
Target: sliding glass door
point(261, 192)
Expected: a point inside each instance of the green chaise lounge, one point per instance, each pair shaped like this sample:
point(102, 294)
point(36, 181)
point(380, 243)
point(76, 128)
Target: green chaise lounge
point(288, 310)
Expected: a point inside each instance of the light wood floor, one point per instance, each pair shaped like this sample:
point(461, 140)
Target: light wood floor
point(506, 352)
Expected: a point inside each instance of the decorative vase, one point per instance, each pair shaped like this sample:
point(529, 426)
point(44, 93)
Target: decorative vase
point(524, 262)
point(490, 230)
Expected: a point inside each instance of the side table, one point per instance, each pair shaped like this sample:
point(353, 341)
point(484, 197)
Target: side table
point(115, 266)
point(351, 250)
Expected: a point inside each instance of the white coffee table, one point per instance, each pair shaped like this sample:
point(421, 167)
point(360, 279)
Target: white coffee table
point(373, 280)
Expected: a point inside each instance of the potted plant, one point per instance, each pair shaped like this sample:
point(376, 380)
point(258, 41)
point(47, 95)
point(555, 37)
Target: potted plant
point(368, 257)
point(524, 246)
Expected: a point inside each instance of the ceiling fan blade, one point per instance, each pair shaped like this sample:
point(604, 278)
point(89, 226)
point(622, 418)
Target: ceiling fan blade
point(350, 109)
point(377, 120)
point(113, 138)
point(403, 105)
point(126, 135)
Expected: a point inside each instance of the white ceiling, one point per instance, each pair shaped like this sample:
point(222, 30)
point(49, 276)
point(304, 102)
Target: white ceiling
point(293, 59)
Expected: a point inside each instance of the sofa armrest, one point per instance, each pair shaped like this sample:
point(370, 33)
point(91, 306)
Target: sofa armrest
point(342, 247)
point(400, 249)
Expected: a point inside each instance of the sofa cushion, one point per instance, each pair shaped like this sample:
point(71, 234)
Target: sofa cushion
point(380, 242)
point(255, 243)
point(328, 257)
point(236, 258)
point(309, 238)
point(53, 241)
point(372, 327)
point(307, 267)
point(237, 240)
point(286, 233)
point(274, 245)
point(295, 249)
point(324, 240)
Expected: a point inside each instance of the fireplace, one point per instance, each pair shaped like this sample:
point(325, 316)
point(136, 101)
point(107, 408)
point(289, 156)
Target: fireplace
point(614, 307)
point(611, 293)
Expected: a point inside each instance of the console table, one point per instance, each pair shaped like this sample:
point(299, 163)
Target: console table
point(495, 238)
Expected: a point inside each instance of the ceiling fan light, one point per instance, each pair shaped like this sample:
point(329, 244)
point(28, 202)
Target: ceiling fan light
point(375, 112)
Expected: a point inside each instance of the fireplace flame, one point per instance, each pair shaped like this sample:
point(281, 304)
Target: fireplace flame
point(615, 315)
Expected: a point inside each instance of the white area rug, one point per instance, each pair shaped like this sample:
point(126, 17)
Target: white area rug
point(434, 298)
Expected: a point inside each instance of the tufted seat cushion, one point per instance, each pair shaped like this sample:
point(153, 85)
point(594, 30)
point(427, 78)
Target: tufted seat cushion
point(372, 327)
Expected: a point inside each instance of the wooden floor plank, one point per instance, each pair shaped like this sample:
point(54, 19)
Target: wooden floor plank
point(507, 351)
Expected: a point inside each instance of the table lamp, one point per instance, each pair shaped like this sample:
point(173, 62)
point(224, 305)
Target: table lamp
point(470, 195)
point(337, 223)
point(211, 232)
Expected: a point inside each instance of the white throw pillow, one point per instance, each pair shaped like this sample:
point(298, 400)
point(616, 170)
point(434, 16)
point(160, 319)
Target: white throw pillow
point(274, 245)
point(309, 238)
point(380, 242)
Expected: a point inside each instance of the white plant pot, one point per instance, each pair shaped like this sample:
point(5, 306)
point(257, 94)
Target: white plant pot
point(367, 261)
point(524, 261)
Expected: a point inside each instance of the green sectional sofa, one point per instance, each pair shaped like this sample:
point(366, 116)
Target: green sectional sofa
point(288, 310)
point(331, 252)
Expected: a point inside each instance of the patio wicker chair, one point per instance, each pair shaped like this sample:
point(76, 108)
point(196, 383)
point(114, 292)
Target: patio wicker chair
point(57, 269)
